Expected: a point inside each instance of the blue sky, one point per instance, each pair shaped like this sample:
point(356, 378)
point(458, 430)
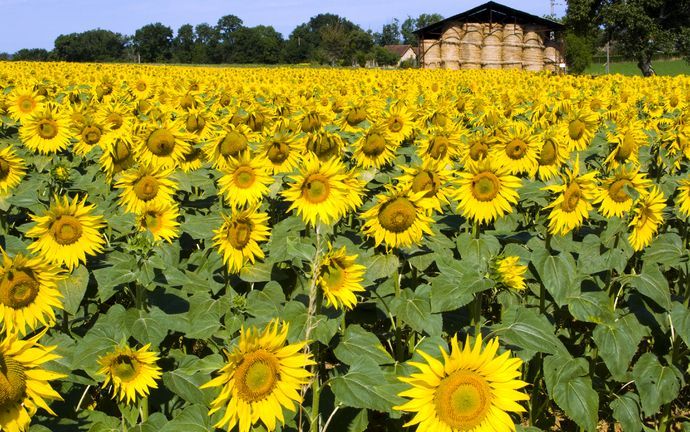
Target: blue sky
point(36, 23)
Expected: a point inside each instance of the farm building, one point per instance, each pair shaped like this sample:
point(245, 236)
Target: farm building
point(404, 52)
point(492, 36)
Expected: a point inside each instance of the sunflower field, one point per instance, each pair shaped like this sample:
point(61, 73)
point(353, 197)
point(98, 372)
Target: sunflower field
point(199, 249)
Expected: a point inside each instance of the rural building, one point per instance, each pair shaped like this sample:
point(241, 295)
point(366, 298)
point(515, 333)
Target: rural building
point(404, 52)
point(492, 36)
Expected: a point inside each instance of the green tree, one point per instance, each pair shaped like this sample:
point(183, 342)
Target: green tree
point(260, 44)
point(390, 34)
point(183, 44)
point(153, 42)
point(31, 54)
point(411, 24)
point(227, 29)
point(90, 46)
point(640, 28)
point(207, 45)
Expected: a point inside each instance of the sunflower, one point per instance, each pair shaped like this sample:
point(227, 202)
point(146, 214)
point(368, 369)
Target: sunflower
point(683, 199)
point(118, 155)
point(245, 181)
point(281, 149)
point(486, 193)
point(374, 147)
point(262, 376)
point(398, 122)
point(239, 236)
point(517, 150)
point(67, 232)
point(471, 390)
point(88, 134)
point(431, 177)
point(161, 143)
point(46, 131)
point(130, 371)
point(324, 144)
point(441, 144)
point(23, 102)
point(160, 219)
point(475, 150)
point(25, 384)
point(28, 293)
point(553, 153)
point(572, 206)
point(649, 215)
point(399, 218)
point(508, 272)
point(229, 142)
point(628, 140)
point(117, 120)
point(145, 185)
point(579, 127)
point(319, 192)
point(353, 115)
point(340, 278)
point(12, 169)
point(613, 198)
point(193, 158)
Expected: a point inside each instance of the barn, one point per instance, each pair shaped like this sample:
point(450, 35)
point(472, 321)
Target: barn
point(492, 36)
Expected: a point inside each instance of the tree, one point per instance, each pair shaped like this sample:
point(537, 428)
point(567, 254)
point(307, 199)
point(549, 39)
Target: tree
point(90, 46)
point(31, 54)
point(4, 56)
point(260, 44)
point(227, 28)
point(640, 28)
point(390, 34)
point(153, 42)
point(183, 44)
point(207, 45)
point(411, 24)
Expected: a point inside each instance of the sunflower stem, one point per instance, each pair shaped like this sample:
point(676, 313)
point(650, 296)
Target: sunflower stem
point(144, 409)
point(398, 330)
point(315, 299)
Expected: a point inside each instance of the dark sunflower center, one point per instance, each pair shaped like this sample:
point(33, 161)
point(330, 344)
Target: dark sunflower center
point(115, 120)
point(146, 188)
point(356, 116)
point(626, 147)
point(316, 188)
point(47, 129)
point(576, 129)
point(439, 119)
point(195, 123)
point(187, 102)
point(516, 149)
point(596, 104)
point(141, 86)
point(311, 122)
point(12, 382)
point(18, 289)
point(192, 155)
point(144, 106)
point(617, 190)
point(233, 144)
point(91, 135)
point(26, 104)
point(463, 400)
point(374, 145)
point(395, 124)
point(4, 169)
point(125, 367)
point(479, 151)
point(333, 276)
point(121, 151)
point(66, 230)
point(438, 147)
point(548, 154)
point(257, 375)
point(485, 186)
point(161, 142)
point(323, 146)
point(152, 221)
point(673, 101)
point(397, 215)
point(426, 181)
point(256, 121)
point(244, 177)
point(571, 197)
point(239, 233)
point(278, 152)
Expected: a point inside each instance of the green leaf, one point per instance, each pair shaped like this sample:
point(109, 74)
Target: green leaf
point(667, 249)
point(656, 384)
point(382, 266)
point(617, 342)
point(359, 343)
point(365, 385)
point(651, 283)
point(451, 291)
point(73, 289)
point(477, 252)
point(626, 411)
point(266, 302)
point(148, 327)
point(558, 274)
point(525, 328)
point(194, 418)
point(300, 247)
point(257, 272)
point(680, 317)
point(360, 422)
point(570, 386)
point(414, 309)
point(593, 306)
point(186, 379)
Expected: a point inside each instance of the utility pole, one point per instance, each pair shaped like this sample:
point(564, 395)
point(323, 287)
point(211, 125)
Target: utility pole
point(553, 7)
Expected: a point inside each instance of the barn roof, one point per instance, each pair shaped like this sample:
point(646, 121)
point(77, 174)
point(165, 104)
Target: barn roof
point(491, 12)
point(398, 50)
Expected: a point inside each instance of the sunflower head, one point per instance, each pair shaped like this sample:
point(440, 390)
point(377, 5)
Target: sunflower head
point(131, 372)
point(340, 278)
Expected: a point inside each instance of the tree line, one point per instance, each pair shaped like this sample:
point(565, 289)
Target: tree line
point(324, 39)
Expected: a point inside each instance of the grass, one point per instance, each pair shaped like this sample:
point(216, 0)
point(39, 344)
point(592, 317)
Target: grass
point(662, 67)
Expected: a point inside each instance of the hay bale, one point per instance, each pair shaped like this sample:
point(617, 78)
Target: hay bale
point(470, 66)
point(471, 45)
point(473, 33)
point(533, 58)
point(512, 34)
point(532, 38)
point(512, 65)
point(551, 54)
point(450, 53)
point(453, 34)
point(431, 51)
point(512, 46)
point(492, 48)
